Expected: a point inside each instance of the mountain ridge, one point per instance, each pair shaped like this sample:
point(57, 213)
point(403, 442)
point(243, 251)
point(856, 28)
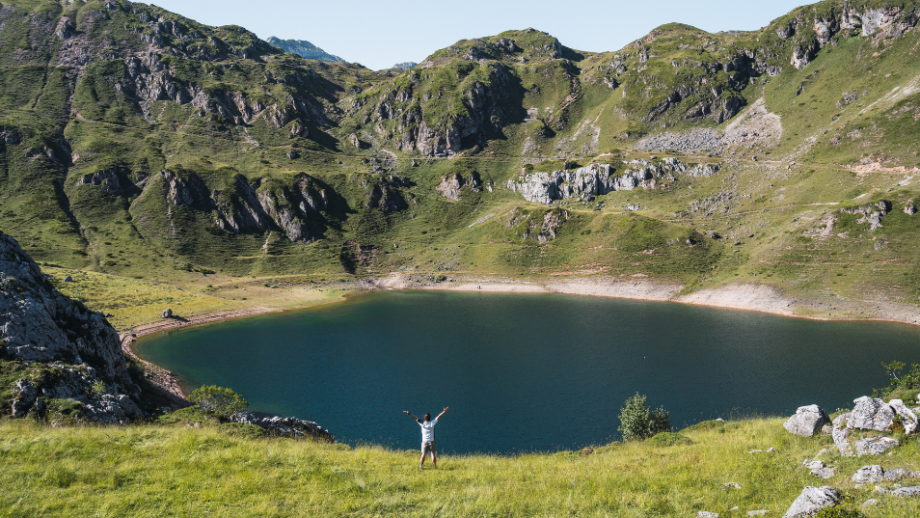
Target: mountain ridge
point(304, 49)
point(156, 147)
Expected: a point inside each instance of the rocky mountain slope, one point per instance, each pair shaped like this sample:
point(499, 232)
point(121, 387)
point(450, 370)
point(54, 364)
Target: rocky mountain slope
point(304, 49)
point(143, 145)
point(61, 350)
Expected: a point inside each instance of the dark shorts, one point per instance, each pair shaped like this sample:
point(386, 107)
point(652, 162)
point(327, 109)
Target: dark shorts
point(429, 447)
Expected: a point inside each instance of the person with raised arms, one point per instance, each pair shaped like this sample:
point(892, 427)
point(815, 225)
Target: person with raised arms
point(428, 442)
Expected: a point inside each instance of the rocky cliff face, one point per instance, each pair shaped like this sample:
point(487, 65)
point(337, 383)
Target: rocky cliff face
point(40, 326)
point(584, 183)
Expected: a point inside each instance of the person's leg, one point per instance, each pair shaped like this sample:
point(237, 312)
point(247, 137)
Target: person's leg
point(422, 460)
point(434, 455)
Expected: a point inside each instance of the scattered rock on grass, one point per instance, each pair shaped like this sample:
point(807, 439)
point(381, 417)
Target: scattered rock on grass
point(807, 421)
point(759, 512)
point(875, 445)
point(869, 474)
point(871, 414)
point(167, 313)
point(869, 503)
point(824, 473)
point(906, 491)
point(812, 500)
point(706, 514)
point(908, 417)
point(897, 474)
point(68, 278)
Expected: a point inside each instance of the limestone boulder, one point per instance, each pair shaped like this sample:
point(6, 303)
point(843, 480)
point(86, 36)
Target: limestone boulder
point(869, 475)
point(913, 491)
point(908, 417)
point(812, 501)
point(871, 414)
point(875, 445)
point(807, 421)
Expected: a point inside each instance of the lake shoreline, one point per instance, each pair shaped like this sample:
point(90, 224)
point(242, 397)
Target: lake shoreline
point(742, 297)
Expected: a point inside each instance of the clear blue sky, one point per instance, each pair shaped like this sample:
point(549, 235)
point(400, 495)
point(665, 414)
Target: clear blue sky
point(378, 34)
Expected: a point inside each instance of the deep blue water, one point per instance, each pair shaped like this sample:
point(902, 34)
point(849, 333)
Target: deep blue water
point(526, 372)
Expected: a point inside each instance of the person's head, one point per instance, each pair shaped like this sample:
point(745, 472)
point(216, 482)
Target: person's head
point(427, 417)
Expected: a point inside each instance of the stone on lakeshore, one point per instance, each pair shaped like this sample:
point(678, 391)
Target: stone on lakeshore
point(807, 421)
point(167, 313)
point(875, 445)
point(812, 501)
point(871, 414)
point(869, 474)
point(908, 417)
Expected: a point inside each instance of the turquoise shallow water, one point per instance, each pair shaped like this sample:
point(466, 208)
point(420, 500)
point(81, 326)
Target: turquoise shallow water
point(526, 372)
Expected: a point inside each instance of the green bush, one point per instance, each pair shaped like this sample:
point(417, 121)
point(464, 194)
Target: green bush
point(638, 421)
point(219, 401)
point(97, 390)
point(839, 512)
point(440, 277)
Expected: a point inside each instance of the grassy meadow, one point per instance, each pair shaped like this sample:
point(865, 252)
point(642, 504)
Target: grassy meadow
point(179, 469)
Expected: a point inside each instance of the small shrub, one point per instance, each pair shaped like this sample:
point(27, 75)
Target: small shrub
point(839, 512)
point(97, 390)
point(440, 277)
point(219, 401)
point(638, 421)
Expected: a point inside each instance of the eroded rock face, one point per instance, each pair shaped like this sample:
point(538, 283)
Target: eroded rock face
point(451, 184)
point(42, 326)
point(39, 324)
point(807, 421)
point(812, 501)
point(584, 183)
point(284, 426)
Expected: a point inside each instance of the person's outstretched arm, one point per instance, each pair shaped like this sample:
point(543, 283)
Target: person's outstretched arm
point(410, 415)
point(443, 412)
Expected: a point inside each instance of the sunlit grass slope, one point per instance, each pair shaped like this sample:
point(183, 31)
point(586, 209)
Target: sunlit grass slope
point(180, 470)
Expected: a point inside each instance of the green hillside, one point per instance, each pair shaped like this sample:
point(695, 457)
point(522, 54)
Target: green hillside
point(150, 149)
point(180, 470)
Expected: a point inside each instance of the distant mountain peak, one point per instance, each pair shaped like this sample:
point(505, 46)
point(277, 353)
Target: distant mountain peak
point(304, 49)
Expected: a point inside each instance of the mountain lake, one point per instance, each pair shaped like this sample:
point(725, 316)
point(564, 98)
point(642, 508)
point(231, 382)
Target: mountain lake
point(525, 373)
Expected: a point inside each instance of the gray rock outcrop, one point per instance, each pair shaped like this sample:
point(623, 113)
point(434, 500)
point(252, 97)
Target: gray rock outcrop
point(584, 183)
point(812, 501)
point(871, 414)
point(37, 323)
point(908, 417)
point(75, 353)
point(869, 475)
point(906, 491)
point(875, 445)
point(284, 426)
point(807, 421)
point(841, 434)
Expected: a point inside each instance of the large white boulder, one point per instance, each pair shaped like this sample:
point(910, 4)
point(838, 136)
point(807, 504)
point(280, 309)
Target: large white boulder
point(812, 501)
point(807, 421)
